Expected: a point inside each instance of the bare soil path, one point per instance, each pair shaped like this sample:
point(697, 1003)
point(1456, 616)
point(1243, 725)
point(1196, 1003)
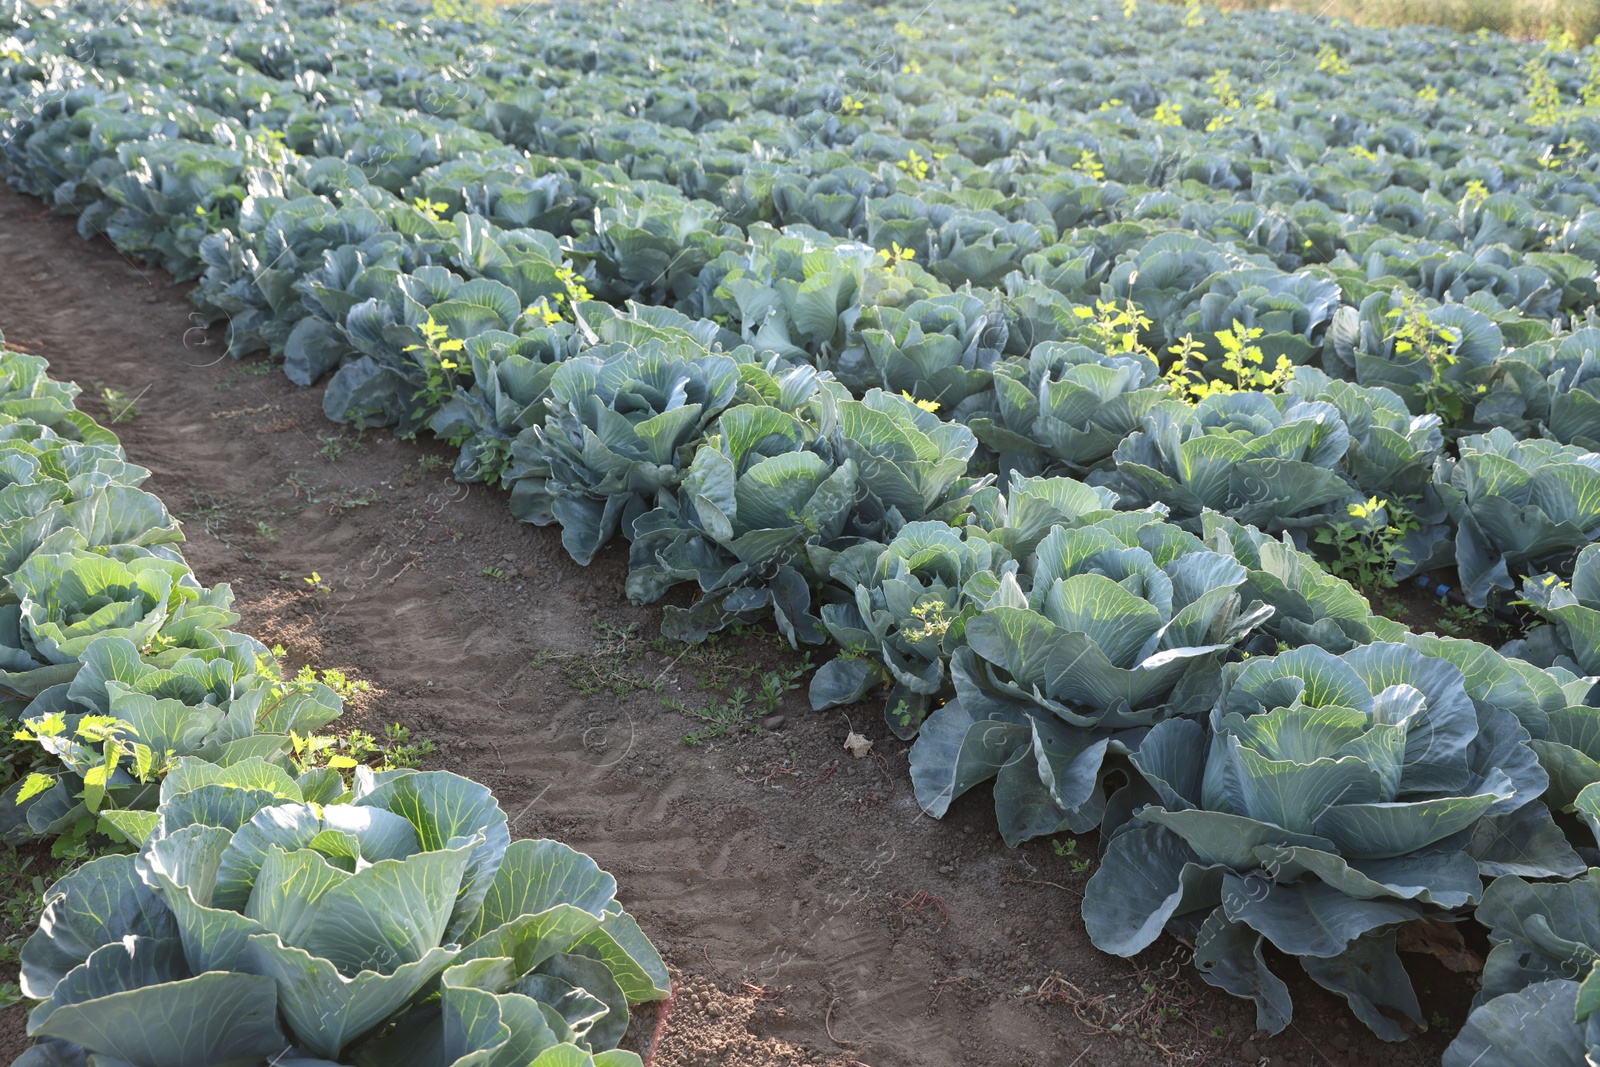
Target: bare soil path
point(811, 914)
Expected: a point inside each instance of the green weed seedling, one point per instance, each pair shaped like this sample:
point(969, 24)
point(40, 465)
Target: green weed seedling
point(1068, 850)
point(1464, 620)
point(614, 664)
point(119, 407)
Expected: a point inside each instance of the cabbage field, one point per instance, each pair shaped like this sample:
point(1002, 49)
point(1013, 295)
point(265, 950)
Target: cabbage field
point(1142, 408)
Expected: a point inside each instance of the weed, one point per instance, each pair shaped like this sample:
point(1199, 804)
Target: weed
point(783, 769)
point(575, 292)
point(299, 483)
point(894, 255)
point(210, 511)
point(23, 881)
point(266, 531)
point(255, 368)
point(395, 750)
point(1144, 1017)
point(921, 900)
point(345, 686)
point(352, 498)
point(714, 662)
point(739, 710)
point(425, 465)
point(118, 406)
point(1115, 327)
point(1414, 334)
point(1474, 193)
point(1543, 94)
point(429, 209)
point(1569, 153)
point(613, 665)
point(721, 717)
point(118, 758)
point(1366, 548)
point(1463, 619)
point(914, 165)
point(439, 364)
point(1068, 850)
point(1242, 361)
point(480, 12)
point(1329, 61)
point(333, 445)
point(314, 580)
point(1590, 91)
point(1225, 96)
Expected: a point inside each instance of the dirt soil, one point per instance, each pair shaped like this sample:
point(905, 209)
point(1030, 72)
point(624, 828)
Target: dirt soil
point(811, 914)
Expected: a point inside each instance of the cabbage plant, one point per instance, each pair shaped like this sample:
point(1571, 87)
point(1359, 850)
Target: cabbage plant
point(652, 244)
point(1433, 358)
point(906, 604)
point(941, 351)
point(1271, 466)
point(67, 600)
point(123, 719)
point(771, 497)
point(1292, 311)
point(609, 448)
point(1574, 383)
point(1521, 507)
point(912, 464)
point(1067, 405)
point(906, 616)
point(1125, 626)
point(402, 338)
point(1164, 276)
point(759, 496)
point(977, 246)
point(498, 186)
point(1309, 605)
point(1569, 632)
point(1550, 388)
point(788, 292)
point(254, 927)
point(1340, 797)
point(1392, 452)
point(1540, 987)
point(1020, 518)
point(164, 195)
point(251, 277)
point(510, 381)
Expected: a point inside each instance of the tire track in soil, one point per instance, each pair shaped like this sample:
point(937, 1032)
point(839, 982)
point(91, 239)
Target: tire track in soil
point(780, 908)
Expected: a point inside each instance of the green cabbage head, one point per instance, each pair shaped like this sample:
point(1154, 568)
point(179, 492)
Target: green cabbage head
point(1340, 797)
point(254, 927)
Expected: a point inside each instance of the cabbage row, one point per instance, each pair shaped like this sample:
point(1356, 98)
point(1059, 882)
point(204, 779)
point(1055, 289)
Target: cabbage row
point(871, 338)
point(269, 910)
point(104, 619)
